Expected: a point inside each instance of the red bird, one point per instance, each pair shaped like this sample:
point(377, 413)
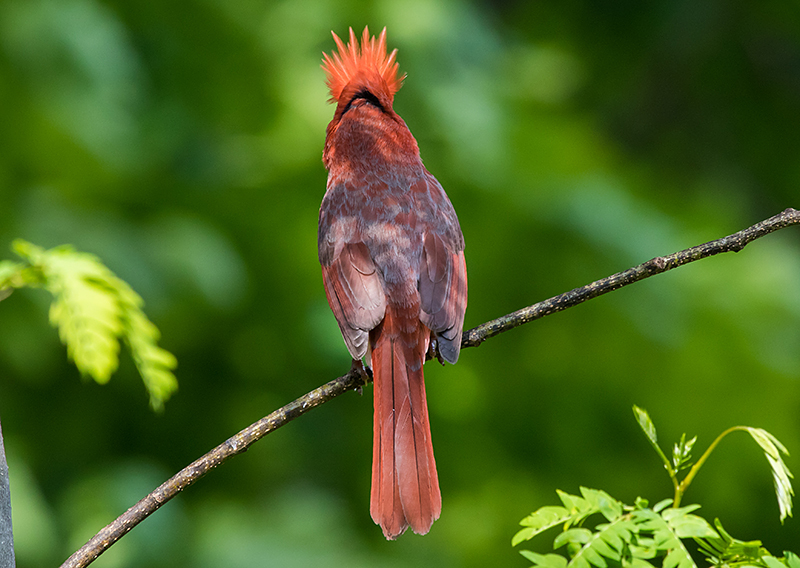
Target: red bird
point(392, 257)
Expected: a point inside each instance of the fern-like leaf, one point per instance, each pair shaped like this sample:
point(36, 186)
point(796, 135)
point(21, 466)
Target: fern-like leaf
point(545, 560)
point(780, 473)
point(539, 521)
point(724, 550)
point(85, 309)
point(666, 531)
point(608, 542)
point(686, 525)
point(601, 501)
point(154, 363)
point(93, 310)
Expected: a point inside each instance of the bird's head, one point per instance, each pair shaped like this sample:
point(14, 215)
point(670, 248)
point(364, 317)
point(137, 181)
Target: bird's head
point(362, 71)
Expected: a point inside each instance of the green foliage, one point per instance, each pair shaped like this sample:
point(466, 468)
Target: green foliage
point(638, 535)
point(93, 310)
point(682, 453)
point(780, 473)
point(574, 139)
point(724, 550)
point(682, 457)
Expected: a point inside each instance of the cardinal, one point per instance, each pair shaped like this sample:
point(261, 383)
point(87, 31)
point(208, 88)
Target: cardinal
point(392, 256)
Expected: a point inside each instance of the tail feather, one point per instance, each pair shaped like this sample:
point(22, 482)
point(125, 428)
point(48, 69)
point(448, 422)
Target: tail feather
point(405, 486)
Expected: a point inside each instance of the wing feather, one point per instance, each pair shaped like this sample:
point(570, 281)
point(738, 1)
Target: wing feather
point(443, 293)
point(355, 294)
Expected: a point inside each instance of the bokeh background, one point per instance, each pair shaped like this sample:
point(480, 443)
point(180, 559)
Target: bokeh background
point(181, 142)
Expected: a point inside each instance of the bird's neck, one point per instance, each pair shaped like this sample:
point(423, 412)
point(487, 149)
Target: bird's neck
point(367, 138)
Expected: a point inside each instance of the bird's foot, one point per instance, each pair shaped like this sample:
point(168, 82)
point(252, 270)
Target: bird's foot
point(364, 374)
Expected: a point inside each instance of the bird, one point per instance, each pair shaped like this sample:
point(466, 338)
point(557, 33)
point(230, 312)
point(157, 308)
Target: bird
point(393, 268)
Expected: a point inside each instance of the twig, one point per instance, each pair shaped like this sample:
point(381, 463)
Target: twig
point(237, 444)
point(357, 377)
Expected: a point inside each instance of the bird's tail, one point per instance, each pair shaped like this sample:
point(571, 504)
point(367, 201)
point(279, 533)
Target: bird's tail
point(405, 487)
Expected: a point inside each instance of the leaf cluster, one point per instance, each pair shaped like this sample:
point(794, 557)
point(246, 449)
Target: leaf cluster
point(94, 312)
point(774, 451)
point(638, 535)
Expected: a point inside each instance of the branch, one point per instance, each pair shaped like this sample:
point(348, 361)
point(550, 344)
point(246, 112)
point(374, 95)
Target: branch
point(657, 265)
point(6, 532)
point(237, 444)
point(356, 378)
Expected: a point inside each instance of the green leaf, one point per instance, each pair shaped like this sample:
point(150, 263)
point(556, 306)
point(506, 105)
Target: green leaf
point(636, 562)
point(682, 453)
point(772, 562)
point(572, 536)
point(685, 525)
point(154, 363)
point(86, 311)
point(545, 560)
point(678, 558)
point(578, 507)
point(780, 472)
point(539, 521)
point(8, 269)
point(647, 521)
point(672, 513)
point(93, 310)
point(647, 426)
point(9, 274)
point(692, 526)
point(724, 550)
point(661, 505)
point(603, 502)
point(608, 542)
point(573, 503)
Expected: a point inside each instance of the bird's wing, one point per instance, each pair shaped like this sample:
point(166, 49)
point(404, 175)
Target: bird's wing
point(355, 294)
point(443, 279)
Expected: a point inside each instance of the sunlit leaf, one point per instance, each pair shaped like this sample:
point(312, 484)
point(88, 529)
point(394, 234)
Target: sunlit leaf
point(723, 549)
point(603, 502)
point(682, 453)
point(780, 472)
point(607, 542)
point(545, 560)
point(661, 505)
point(539, 521)
point(646, 424)
point(792, 560)
point(664, 537)
point(93, 310)
point(772, 562)
point(572, 536)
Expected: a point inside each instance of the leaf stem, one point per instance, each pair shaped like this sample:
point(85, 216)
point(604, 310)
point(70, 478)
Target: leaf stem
point(673, 475)
point(680, 488)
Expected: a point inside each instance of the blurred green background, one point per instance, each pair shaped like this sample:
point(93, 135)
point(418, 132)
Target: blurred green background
point(181, 142)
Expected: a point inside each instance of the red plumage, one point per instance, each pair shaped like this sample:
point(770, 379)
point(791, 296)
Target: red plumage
point(392, 257)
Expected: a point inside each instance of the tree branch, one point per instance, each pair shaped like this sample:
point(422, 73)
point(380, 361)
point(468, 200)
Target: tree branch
point(6, 531)
point(657, 265)
point(357, 377)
